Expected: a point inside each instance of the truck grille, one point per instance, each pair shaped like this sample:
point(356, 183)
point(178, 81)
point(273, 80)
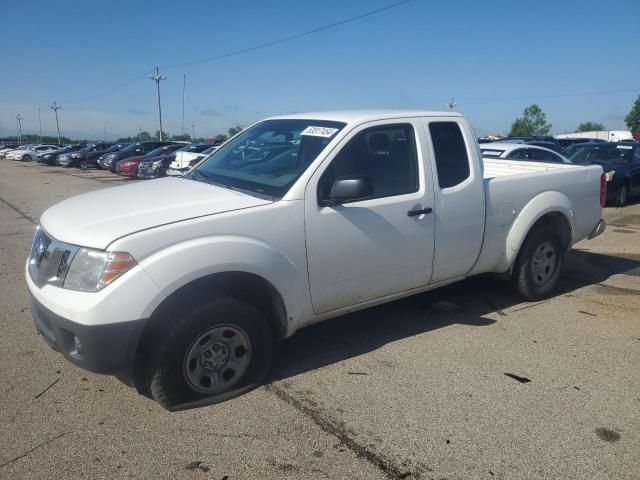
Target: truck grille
point(49, 259)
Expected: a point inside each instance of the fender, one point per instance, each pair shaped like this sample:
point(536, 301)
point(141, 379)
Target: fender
point(534, 210)
point(184, 262)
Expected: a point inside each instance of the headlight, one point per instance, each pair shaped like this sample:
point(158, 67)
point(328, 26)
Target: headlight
point(75, 155)
point(609, 175)
point(92, 270)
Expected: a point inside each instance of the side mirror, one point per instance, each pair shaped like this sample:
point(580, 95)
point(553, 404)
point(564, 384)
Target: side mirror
point(349, 189)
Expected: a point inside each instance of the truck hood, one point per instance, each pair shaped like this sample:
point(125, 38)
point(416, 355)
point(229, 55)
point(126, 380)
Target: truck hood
point(98, 218)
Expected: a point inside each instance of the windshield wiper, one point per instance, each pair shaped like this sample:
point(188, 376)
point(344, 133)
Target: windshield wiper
point(200, 177)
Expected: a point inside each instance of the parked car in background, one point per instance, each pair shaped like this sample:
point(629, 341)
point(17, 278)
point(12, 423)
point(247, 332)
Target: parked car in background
point(621, 164)
point(155, 167)
point(49, 158)
point(31, 152)
point(110, 161)
point(74, 159)
point(185, 157)
point(7, 147)
point(129, 166)
point(9, 154)
point(568, 142)
point(520, 151)
point(546, 142)
point(94, 161)
point(573, 148)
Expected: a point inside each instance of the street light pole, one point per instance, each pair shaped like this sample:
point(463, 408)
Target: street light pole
point(184, 86)
point(193, 131)
point(19, 119)
point(157, 78)
point(55, 107)
point(40, 122)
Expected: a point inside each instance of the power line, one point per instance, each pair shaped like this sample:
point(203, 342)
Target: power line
point(113, 89)
point(291, 37)
point(246, 50)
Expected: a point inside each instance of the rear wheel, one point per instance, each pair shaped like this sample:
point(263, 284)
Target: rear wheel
point(84, 164)
point(26, 158)
point(538, 265)
point(622, 195)
point(214, 352)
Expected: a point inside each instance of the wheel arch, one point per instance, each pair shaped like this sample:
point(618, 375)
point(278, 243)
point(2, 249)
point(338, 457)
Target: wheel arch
point(243, 286)
point(552, 209)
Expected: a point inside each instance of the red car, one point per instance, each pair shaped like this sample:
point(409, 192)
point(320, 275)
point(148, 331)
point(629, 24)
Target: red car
point(129, 166)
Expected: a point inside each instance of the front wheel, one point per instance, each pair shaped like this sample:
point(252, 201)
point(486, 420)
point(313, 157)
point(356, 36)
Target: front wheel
point(84, 165)
point(26, 158)
point(214, 352)
point(538, 265)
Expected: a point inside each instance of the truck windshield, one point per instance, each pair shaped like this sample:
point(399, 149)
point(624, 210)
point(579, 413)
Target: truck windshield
point(269, 157)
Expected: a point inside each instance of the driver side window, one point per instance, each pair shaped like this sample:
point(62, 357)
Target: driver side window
point(385, 154)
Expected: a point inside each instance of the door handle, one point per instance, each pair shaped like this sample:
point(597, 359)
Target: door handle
point(424, 211)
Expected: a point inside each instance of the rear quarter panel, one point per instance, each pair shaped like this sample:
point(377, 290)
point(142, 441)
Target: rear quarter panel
point(516, 202)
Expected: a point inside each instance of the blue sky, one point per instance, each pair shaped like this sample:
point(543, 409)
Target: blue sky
point(494, 58)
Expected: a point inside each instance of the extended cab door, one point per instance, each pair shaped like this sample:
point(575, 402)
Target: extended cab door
point(360, 249)
point(459, 196)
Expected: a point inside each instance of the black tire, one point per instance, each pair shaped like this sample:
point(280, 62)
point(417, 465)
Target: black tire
point(531, 278)
point(168, 377)
point(622, 195)
point(26, 158)
point(83, 165)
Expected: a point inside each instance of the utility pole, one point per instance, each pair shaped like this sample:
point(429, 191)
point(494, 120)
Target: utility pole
point(193, 131)
point(139, 134)
point(184, 86)
point(451, 104)
point(157, 78)
point(105, 134)
point(40, 122)
point(55, 107)
point(1, 130)
point(19, 118)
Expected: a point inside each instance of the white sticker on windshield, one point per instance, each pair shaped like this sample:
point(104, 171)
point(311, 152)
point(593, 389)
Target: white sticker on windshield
point(325, 132)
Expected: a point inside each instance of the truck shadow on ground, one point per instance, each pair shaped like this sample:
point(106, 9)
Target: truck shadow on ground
point(464, 303)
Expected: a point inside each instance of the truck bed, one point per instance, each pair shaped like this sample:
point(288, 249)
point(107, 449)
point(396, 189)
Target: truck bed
point(517, 192)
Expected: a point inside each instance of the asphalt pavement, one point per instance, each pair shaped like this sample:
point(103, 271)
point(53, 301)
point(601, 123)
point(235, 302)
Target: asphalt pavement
point(465, 382)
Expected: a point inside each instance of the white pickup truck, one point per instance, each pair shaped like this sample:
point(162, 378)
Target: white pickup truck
point(181, 286)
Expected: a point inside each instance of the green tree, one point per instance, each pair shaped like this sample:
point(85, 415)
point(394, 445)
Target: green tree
point(590, 127)
point(221, 137)
point(532, 122)
point(165, 136)
point(181, 138)
point(633, 119)
point(145, 136)
point(233, 130)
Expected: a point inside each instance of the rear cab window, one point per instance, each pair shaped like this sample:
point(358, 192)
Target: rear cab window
point(450, 149)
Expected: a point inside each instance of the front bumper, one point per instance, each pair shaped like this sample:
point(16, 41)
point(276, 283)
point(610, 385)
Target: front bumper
point(107, 348)
point(599, 228)
point(127, 172)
